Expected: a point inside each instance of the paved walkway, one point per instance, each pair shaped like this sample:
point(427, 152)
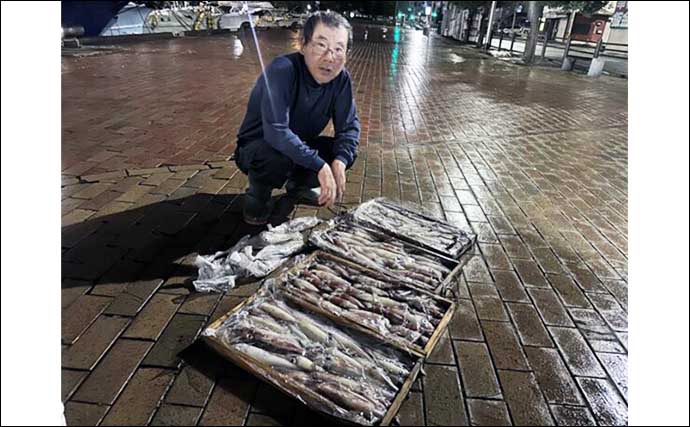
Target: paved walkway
point(532, 159)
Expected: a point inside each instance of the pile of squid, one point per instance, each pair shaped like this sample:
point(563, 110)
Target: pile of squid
point(389, 256)
point(344, 374)
point(400, 221)
point(395, 311)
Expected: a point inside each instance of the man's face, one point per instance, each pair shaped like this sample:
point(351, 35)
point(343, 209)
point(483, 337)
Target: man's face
point(325, 53)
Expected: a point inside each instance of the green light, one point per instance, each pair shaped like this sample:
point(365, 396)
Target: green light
point(411, 16)
point(433, 14)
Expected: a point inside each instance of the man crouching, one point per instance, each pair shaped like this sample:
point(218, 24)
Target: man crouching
point(290, 105)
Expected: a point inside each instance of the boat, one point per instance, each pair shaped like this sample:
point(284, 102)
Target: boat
point(136, 18)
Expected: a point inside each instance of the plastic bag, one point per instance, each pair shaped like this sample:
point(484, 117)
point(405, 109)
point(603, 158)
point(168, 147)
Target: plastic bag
point(252, 256)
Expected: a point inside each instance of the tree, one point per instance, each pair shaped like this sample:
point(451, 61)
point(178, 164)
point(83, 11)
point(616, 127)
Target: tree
point(535, 10)
point(586, 7)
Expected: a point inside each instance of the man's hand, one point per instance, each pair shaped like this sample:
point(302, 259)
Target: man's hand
point(338, 168)
point(328, 186)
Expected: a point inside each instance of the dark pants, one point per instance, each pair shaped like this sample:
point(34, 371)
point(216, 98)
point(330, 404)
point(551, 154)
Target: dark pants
point(267, 167)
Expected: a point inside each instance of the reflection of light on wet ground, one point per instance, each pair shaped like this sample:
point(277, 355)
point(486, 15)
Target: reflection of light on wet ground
point(417, 46)
point(456, 59)
point(394, 62)
point(236, 48)
point(416, 81)
point(395, 53)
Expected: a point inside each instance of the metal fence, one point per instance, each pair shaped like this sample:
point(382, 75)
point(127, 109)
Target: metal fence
point(577, 49)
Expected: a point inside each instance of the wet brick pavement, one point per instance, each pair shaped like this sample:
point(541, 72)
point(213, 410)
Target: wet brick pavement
point(533, 160)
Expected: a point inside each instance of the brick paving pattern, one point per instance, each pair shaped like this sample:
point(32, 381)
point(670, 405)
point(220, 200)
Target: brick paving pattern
point(533, 160)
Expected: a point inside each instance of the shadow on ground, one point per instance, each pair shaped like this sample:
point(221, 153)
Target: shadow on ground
point(155, 241)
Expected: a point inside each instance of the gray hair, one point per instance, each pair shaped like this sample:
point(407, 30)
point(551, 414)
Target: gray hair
point(330, 19)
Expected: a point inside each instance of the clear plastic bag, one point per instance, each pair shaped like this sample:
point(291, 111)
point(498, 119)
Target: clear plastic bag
point(252, 256)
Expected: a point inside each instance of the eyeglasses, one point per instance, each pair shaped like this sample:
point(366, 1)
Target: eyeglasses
point(321, 49)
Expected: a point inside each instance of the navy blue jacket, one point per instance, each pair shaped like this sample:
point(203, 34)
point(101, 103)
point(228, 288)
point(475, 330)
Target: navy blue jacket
point(294, 108)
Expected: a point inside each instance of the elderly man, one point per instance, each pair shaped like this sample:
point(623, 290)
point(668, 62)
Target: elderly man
point(290, 105)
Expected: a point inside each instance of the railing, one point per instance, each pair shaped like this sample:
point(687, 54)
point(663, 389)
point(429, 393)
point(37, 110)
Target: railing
point(570, 47)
